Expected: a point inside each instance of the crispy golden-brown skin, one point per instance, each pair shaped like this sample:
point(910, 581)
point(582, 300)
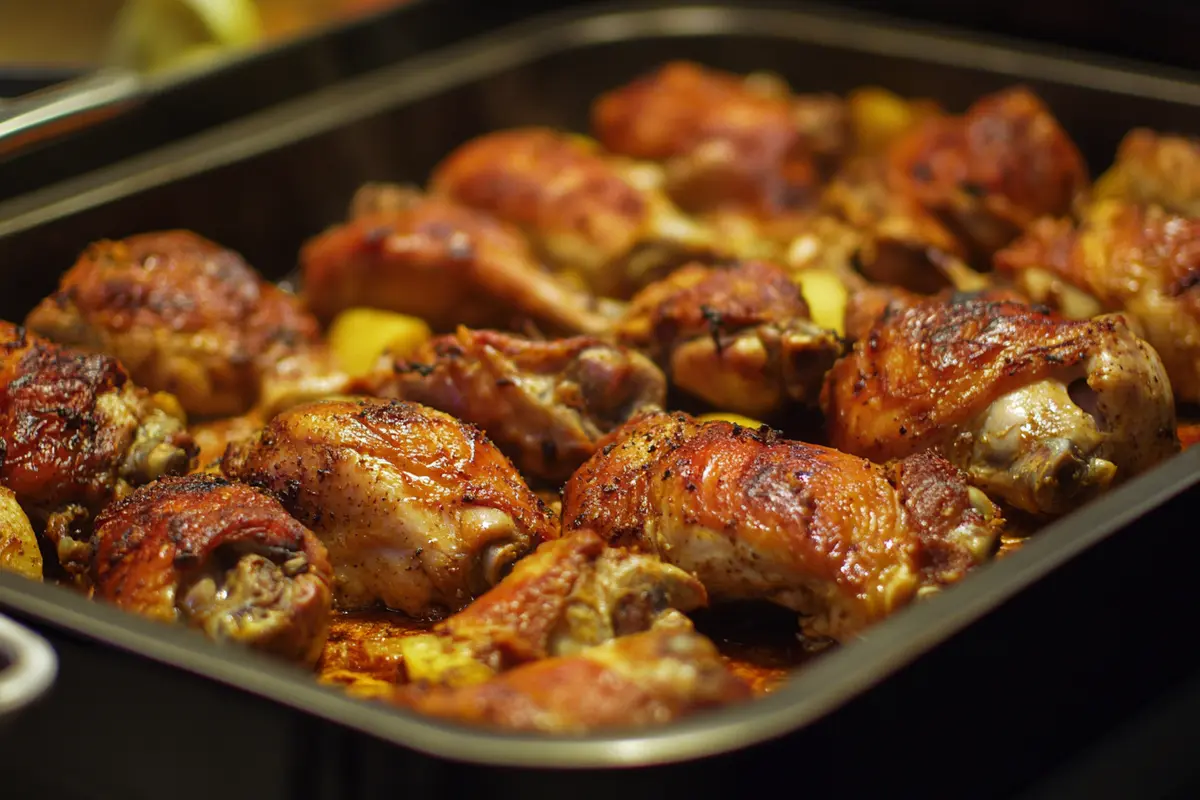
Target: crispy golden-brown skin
point(642, 679)
point(589, 214)
point(544, 403)
point(19, 551)
point(992, 171)
point(867, 306)
point(1141, 260)
point(739, 338)
point(725, 140)
point(419, 511)
point(439, 260)
point(1154, 169)
point(185, 316)
point(1042, 411)
point(755, 516)
point(218, 556)
point(76, 433)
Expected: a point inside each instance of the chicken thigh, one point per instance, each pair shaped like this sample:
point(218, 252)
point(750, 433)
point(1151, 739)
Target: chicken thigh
point(419, 511)
point(754, 516)
point(1154, 169)
point(186, 316)
point(218, 556)
point(544, 403)
point(1040, 411)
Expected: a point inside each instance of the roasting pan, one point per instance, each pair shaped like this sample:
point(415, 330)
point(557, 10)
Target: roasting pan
point(979, 692)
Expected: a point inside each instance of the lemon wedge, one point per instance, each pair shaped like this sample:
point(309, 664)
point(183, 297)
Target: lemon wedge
point(152, 35)
point(359, 336)
point(736, 419)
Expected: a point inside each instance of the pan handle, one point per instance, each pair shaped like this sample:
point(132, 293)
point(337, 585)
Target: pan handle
point(31, 667)
point(69, 106)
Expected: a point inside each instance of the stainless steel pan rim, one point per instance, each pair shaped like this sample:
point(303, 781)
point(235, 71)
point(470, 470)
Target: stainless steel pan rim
point(817, 689)
point(30, 669)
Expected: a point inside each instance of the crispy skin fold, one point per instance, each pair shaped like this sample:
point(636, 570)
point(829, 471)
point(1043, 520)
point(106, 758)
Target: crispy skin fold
point(218, 556)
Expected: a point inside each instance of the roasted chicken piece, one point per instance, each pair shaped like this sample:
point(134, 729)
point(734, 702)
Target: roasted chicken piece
point(187, 316)
point(739, 338)
point(870, 305)
point(647, 678)
point(544, 403)
point(836, 538)
point(1141, 260)
point(572, 594)
point(879, 117)
point(991, 172)
point(77, 433)
point(1040, 411)
point(419, 511)
point(441, 261)
point(724, 140)
point(19, 551)
point(214, 437)
point(597, 217)
point(1154, 169)
point(217, 556)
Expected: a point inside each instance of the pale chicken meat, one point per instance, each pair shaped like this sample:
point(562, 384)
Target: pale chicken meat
point(220, 557)
point(19, 550)
point(544, 403)
point(1154, 169)
point(419, 512)
point(1041, 412)
point(76, 433)
point(602, 219)
point(439, 260)
point(187, 316)
point(1140, 260)
point(754, 516)
point(738, 338)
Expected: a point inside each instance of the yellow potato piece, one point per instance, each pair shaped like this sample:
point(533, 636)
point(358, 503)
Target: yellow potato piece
point(737, 419)
point(879, 116)
point(826, 296)
point(359, 336)
point(19, 551)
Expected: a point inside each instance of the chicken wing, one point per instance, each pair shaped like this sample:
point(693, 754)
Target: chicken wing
point(441, 261)
point(572, 594)
point(76, 433)
point(990, 173)
point(1040, 411)
point(186, 316)
point(648, 678)
point(1141, 260)
point(591, 215)
point(544, 403)
point(217, 556)
point(19, 551)
point(738, 338)
point(755, 516)
point(419, 511)
point(724, 140)
point(1154, 169)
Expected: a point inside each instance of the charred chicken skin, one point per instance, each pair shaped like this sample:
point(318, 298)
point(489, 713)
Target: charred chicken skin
point(569, 595)
point(544, 403)
point(186, 316)
point(599, 218)
point(754, 516)
point(738, 338)
point(19, 550)
point(1154, 169)
point(1040, 411)
point(439, 260)
point(77, 433)
point(1140, 260)
point(419, 511)
point(218, 556)
point(991, 172)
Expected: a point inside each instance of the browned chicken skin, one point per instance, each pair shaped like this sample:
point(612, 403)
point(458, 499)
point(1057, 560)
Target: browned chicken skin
point(1140, 260)
point(77, 433)
point(991, 172)
point(1154, 169)
point(189, 317)
point(739, 338)
point(643, 679)
point(544, 403)
point(1040, 411)
point(754, 516)
point(868, 306)
point(218, 556)
point(439, 260)
point(419, 511)
point(590, 215)
point(725, 140)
